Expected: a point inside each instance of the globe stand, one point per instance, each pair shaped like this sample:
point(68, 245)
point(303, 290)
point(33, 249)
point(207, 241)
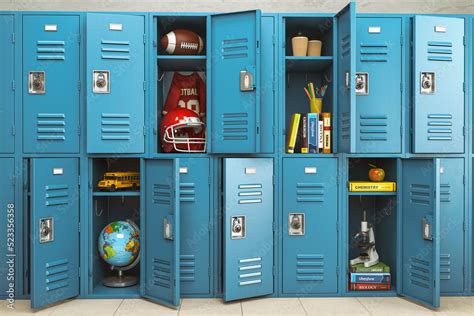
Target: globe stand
point(120, 280)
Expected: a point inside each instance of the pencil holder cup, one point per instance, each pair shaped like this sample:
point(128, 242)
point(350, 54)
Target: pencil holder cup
point(300, 45)
point(314, 48)
point(316, 105)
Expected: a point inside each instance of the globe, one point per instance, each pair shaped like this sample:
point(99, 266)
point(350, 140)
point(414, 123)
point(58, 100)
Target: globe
point(119, 243)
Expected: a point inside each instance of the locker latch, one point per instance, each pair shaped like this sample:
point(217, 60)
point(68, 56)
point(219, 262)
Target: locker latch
point(426, 224)
point(427, 82)
point(246, 81)
point(36, 82)
point(46, 230)
point(362, 83)
point(237, 227)
point(168, 228)
point(101, 81)
point(296, 224)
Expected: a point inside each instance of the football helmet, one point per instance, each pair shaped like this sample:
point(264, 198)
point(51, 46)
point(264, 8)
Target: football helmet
point(181, 130)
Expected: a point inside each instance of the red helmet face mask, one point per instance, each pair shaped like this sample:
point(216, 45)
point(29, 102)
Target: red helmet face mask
point(181, 130)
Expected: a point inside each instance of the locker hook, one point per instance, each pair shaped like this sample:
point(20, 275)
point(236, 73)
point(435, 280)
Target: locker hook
point(162, 75)
point(326, 78)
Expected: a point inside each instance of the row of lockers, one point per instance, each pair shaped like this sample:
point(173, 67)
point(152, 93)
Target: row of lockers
point(390, 78)
point(206, 256)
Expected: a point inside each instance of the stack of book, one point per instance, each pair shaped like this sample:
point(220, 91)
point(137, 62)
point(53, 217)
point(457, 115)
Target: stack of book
point(374, 278)
point(312, 130)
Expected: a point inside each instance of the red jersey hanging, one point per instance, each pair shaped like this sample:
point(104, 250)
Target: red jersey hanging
point(187, 91)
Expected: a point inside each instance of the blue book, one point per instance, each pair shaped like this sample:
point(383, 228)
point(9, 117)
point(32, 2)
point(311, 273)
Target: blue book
point(313, 120)
point(372, 278)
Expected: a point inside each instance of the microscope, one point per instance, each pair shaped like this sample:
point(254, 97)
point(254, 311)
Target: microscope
point(365, 240)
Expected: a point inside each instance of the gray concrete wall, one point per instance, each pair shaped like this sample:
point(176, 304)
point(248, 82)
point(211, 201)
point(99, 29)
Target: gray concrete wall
point(388, 6)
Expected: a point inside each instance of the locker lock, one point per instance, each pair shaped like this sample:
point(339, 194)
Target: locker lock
point(101, 81)
point(362, 83)
point(36, 82)
point(237, 227)
point(296, 224)
point(427, 82)
point(46, 230)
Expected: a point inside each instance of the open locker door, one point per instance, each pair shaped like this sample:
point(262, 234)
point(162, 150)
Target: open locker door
point(235, 82)
point(421, 231)
point(346, 63)
point(54, 230)
point(248, 227)
point(160, 232)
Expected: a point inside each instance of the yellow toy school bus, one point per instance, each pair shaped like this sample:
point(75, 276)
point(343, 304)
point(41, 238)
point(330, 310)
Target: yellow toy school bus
point(119, 181)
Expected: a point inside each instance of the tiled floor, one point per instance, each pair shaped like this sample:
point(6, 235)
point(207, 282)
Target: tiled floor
point(263, 306)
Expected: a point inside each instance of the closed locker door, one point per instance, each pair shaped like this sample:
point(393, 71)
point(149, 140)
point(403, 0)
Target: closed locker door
point(248, 227)
point(438, 90)
point(378, 85)
point(7, 246)
point(54, 222)
point(235, 82)
point(195, 226)
point(309, 226)
point(452, 225)
point(115, 83)
point(51, 84)
point(7, 91)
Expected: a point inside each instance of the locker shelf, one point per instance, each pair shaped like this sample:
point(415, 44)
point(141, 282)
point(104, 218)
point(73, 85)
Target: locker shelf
point(307, 63)
point(374, 193)
point(182, 62)
point(117, 193)
point(299, 155)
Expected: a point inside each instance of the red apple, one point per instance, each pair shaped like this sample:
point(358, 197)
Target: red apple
point(376, 174)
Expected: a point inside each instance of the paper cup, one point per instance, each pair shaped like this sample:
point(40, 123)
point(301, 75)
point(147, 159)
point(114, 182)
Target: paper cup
point(300, 45)
point(314, 48)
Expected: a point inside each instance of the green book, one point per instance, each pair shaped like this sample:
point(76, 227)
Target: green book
point(377, 268)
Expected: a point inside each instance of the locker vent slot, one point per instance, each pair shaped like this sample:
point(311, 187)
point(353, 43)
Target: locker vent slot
point(420, 273)
point(187, 268)
point(187, 192)
point(235, 48)
point(115, 126)
point(250, 271)
point(161, 273)
point(309, 192)
point(57, 194)
point(346, 125)
point(420, 194)
point(57, 274)
point(119, 50)
point(309, 267)
point(439, 127)
point(162, 194)
point(445, 192)
point(51, 127)
point(346, 46)
point(250, 193)
point(50, 50)
point(235, 126)
point(373, 52)
point(445, 261)
point(373, 127)
point(440, 51)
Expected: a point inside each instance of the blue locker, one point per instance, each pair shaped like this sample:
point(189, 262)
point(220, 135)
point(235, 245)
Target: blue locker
point(438, 70)
point(309, 226)
point(115, 83)
point(452, 225)
point(160, 265)
point(54, 222)
point(248, 227)
point(51, 83)
point(420, 244)
point(346, 63)
point(7, 92)
point(378, 106)
point(235, 82)
point(7, 249)
point(195, 226)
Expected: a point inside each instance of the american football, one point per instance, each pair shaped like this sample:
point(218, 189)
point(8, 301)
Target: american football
point(182, 42)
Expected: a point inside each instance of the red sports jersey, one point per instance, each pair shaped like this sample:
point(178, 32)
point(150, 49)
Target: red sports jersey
point(187, 91)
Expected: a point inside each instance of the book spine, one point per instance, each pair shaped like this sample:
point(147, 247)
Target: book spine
point(304, 133)
point(372, 187)
point(313, 132)
point(293, 133)
point(371, 278)
point(369, 287)
point(320, 135)
point(327, 133)
point(370, 270)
